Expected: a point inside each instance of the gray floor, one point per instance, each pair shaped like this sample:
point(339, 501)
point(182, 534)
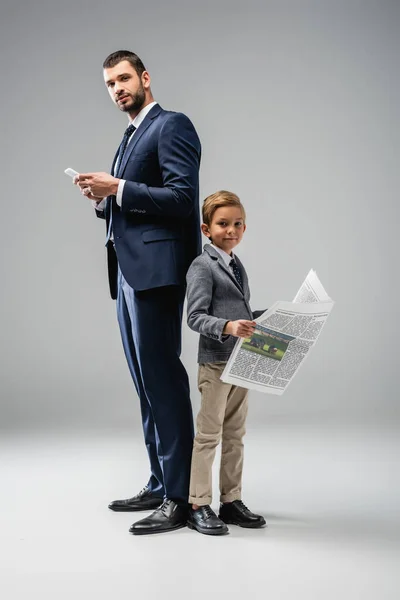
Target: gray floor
point(331, 497)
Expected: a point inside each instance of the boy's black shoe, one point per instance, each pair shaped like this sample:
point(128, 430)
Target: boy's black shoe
point(238, 514)
point(204, 520)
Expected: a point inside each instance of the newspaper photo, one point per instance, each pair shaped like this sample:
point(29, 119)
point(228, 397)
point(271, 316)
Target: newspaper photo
point(284, 335)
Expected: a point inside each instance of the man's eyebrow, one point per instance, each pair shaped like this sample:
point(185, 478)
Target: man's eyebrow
point(118, 77)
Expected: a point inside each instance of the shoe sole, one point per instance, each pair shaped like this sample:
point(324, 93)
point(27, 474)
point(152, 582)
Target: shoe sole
point(131, 509)
point(245, 526)
point(208, 531)
point(150, 532)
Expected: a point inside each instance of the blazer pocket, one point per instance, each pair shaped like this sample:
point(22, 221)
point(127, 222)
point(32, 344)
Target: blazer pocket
point(158, 235)
point(141, 156)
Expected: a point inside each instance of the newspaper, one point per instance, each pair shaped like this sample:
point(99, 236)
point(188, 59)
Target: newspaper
point(283, 337)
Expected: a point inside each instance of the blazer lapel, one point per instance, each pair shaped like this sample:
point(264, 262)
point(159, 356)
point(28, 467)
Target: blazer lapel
point(229, 271)
point(154, 112)
point(243, 273)
point(212, 252)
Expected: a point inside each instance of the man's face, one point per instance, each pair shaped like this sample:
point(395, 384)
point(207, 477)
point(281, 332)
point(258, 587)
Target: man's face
point(227, 228)
point(125, 86)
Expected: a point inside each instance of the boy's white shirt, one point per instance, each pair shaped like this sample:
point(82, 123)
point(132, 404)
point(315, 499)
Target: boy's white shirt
point(227, 257)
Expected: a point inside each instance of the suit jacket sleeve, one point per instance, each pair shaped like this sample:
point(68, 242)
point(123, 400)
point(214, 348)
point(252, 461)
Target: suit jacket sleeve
point(258, 313)
point(100, 214)
point(199, 299)
point(179, 160)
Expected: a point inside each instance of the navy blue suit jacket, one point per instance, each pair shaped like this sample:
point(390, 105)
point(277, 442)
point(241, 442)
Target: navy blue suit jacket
point(157, 228)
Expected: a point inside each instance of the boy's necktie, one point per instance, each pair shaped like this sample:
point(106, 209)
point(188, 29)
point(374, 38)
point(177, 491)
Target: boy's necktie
point(236, 272)
point(128, 132)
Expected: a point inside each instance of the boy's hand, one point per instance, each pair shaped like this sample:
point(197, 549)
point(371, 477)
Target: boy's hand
point(240, 328)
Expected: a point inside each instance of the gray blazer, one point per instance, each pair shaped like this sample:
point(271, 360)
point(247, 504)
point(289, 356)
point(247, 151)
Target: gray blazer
point(213, 298)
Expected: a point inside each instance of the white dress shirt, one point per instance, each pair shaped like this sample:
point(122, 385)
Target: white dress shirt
point(227, 257)
point(136, 122)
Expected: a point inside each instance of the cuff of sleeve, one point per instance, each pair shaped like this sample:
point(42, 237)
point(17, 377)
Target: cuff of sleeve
point(223, 337)
point(120, 191)
point(258, 313)
point(99, 205)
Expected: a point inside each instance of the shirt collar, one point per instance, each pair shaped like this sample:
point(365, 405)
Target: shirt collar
point(226, 257)
point(142, 114)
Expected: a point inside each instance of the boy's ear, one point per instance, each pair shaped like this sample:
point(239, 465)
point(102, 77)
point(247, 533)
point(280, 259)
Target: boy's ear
point(205, 230)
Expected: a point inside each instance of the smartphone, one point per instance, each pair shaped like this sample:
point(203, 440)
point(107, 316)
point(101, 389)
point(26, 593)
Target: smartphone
point(71, 172)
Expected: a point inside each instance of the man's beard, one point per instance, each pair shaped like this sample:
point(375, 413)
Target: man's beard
point(136, 103)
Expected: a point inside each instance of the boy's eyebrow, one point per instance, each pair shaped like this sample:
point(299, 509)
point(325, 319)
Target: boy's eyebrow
point(226, 219)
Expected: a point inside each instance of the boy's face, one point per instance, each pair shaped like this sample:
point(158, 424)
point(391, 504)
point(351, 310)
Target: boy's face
point(226, 229)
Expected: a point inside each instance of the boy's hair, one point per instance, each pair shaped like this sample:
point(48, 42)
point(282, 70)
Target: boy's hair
point(120, 55)
point(218, 200)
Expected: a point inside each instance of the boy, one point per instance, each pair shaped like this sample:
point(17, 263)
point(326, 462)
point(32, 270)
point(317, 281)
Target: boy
point(218, 308)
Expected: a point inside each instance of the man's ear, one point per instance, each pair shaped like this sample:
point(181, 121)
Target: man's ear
point(205, 230)
point(146, 81)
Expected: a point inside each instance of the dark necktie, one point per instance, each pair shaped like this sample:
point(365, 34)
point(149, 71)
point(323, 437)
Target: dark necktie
point(236, 272)
point(128, 132)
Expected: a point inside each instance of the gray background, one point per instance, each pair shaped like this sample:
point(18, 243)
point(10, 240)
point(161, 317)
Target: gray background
point(297, 108)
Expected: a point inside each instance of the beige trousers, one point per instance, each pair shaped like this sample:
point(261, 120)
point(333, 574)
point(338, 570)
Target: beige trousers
point(222, 415)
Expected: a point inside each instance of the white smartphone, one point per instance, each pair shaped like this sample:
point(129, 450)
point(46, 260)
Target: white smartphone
point(71, 172)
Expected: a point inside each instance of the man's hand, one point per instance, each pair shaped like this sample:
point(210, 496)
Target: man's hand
point(239, 328)
point(86, 191)
point(97, 186)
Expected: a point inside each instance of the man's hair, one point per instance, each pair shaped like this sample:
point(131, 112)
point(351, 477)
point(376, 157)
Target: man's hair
point(120, 55)
point(218, 200)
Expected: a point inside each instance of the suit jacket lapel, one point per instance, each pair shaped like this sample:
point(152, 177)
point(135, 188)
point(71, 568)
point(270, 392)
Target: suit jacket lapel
point(154, 112)
point(228, 270)
point(243, 273)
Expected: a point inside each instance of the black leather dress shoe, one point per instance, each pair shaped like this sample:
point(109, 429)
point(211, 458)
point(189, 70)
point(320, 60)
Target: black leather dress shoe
point(204, 520)
point(144, 500)
point(167, 517)
point(238, 514)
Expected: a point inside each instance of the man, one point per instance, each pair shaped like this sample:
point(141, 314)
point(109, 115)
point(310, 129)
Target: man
point(153, 234)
